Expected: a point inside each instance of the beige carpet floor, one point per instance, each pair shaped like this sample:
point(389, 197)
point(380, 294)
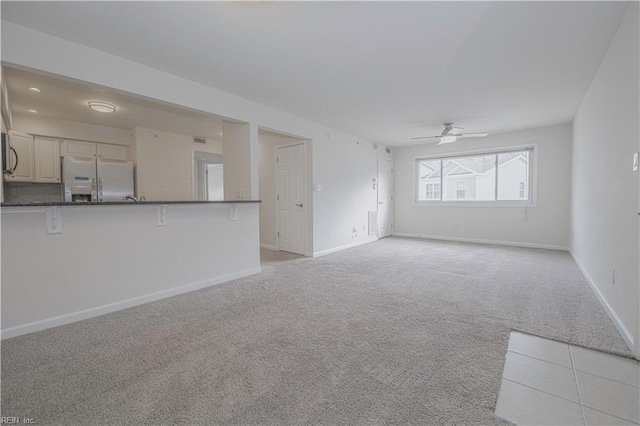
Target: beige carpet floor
point(400, 331)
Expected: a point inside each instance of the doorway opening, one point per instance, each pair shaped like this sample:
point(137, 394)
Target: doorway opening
point(385, 197)
point(209, 176)
point(285, 192)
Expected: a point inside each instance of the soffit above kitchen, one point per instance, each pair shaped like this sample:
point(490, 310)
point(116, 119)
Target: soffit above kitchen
point(64, 99)
point(386, 71)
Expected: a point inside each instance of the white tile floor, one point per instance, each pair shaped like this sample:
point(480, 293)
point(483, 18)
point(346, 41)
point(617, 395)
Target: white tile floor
point(552, 383)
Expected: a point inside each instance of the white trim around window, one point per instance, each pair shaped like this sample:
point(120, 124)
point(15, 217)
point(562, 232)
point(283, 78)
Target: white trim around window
point(532, 177)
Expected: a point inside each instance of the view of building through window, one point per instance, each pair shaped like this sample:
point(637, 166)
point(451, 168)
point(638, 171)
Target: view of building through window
point(433, 191)
point(501, 176)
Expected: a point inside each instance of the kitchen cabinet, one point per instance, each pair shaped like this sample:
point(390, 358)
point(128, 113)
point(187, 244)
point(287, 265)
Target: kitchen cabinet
point(47, 160)
point(113, 152)
point(22, 157)
point(93, 149)
point(79, 148)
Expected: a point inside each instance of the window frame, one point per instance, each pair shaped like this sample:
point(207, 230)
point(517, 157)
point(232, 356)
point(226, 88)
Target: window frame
point(533, 178)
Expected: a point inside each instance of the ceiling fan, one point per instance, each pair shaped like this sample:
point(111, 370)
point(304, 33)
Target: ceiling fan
point(452, 134)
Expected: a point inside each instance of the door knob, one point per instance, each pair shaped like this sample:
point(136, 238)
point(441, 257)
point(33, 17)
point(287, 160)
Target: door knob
point(299, 204)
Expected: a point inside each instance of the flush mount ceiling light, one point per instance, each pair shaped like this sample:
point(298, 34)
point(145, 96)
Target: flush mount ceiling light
point(35, 89)
point(32, 111)
point(102, 106)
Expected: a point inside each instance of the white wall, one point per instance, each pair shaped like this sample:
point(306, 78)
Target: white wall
point(112, 257)
point(164, 163)
point(237, 160)
point(604, 232)
point(546, 225)
point(268, 144)
point(3, 128)
point(344, 168)
point(5, 109)
point(66, 129)
point(348, 167)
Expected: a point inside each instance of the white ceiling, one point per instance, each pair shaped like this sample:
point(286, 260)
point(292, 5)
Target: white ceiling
point(387, 71)
point(68, 100)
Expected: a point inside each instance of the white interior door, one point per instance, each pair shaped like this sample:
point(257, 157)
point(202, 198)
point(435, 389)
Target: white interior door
point(215, 182)
point(385, 198)
point(291, 199)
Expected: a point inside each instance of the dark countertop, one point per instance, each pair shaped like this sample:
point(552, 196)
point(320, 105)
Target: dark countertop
point(122, 203)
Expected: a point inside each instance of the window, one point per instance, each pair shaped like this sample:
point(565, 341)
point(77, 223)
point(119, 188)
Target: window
point(433, 191)
point(429, 180)
point(502, 176)
point(513, 176)
point(461, 188)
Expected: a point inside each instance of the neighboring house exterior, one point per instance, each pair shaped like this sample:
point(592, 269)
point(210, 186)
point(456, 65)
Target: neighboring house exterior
point(474, 178)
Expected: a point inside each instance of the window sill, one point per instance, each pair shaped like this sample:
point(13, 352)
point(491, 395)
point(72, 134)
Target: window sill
point(467, 204)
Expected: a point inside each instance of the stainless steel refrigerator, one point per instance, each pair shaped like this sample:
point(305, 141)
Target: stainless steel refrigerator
point(88, 179)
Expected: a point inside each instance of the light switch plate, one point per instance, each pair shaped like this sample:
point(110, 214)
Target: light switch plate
point(635, 162)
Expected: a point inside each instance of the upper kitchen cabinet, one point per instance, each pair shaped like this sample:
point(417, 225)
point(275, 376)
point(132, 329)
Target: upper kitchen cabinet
point(78, 148)
point(20, 157)
point(47, 160)
point(113, 152)
point(33, 160)
point(92, 149)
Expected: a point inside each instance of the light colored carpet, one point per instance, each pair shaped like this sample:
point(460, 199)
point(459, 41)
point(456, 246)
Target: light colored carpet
point(400, 331)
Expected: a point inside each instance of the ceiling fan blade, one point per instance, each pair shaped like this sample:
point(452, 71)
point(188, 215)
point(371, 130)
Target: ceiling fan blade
point(472, 135)
point(426, 137)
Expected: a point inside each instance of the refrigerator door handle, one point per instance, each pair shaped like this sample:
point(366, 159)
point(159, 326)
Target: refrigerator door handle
point(99, 189)
point(94, 196)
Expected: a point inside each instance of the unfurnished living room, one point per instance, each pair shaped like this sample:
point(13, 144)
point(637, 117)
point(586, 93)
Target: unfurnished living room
point(340, 213)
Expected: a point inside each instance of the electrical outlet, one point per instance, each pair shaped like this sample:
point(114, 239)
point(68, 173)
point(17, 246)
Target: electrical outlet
point(635, 161)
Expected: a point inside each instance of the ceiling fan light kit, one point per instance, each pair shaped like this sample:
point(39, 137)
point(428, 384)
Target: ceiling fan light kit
point(447, 139)
point(451, 134)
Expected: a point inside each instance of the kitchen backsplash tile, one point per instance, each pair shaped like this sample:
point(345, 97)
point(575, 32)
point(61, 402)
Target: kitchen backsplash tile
point(25, 192)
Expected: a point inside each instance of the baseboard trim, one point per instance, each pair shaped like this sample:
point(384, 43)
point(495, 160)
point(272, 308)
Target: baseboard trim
point(368, 240)
point(269, 247)
point(624, 332)
point(479, 241)
point(117, 306)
